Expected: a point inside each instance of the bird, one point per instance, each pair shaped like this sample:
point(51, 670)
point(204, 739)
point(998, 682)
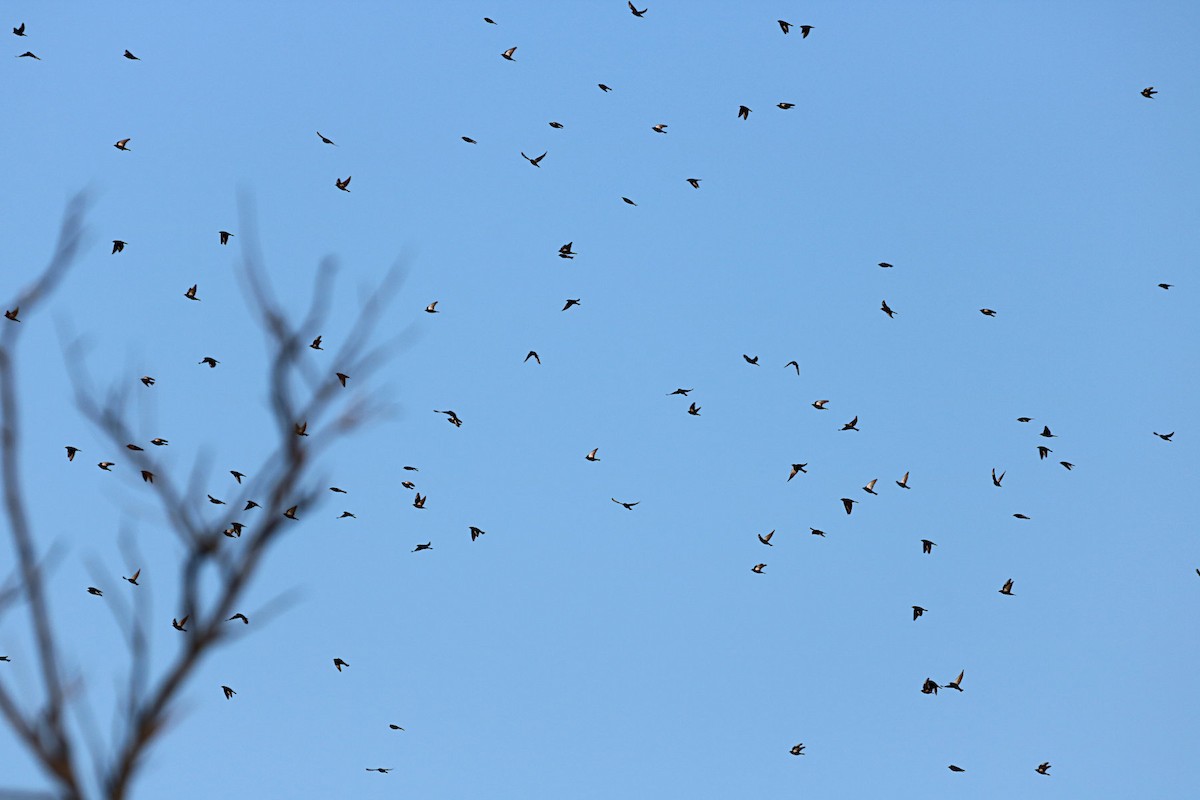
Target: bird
point(683, 392)
point(451, 417)
point(251, 504)
point(785, 106)
point(804, 31)
point(508, 54)
point(12, 313)
point(1149, 92)
point(291, 512)
point(995, 480)
point(1046, 432)
point(566, 252)
point(180, 624)
point(28, 54)
point(533, 354)
point(750, 360)
point(884, 308)
point(743, 112)
point(212, 362)
point(19, 30)
point(767, 539)
point(316, 344)
point(637, 13)
point(1043, 768)
point(1165, 286)
point(147, 476)
point(758, 568)
point(336, 489)
point(121, 145)
point(570, 303)
point(929, 687)
point(190, 294)
point(1020, 516)
point(817, 532)
point(133, 578)
point(95, 591)
point(489, 20)
point(797, 750)
point(106, 465)
point(432, 307)
point(342, 377)
point(955, 768)
point(412, 469)
point(71, 451)
point(147, 380)
point(1068, 465)
point(785, 26)
point(301, 428)
point(954, 684)
point(851, 425)
point(627, 506)
point(118, 246)
point(337, 662)
point(848, 504)
point(592, 455)
point(420, 547)
point(395, 727)
point(987, 312)
point(234, 531)
point(917, 612)
point(381, 770)
point(1166, 437)
point(694, 410)
point(215, 501)
point(793, 363)
point(797, 468)
point(131, 56)
point(134, 447)
point(240, 616)
point(604, 88)
point(476, 532)
point(659, 128)
point(419, 500)
point(927, 546)
point(1043, 451)
point(229, 693)
point(820, 405)
point(695, 182)
point(347, 515)
point(468, 140)
point(1024, 419)
point(903, 482)
point(870, 487)
point(1007, 587)
point(5, 658)
point(555, 125)
point(628, 201)
point(885, 265)
point(325, 138)
point(343, 184)
point(535, 161)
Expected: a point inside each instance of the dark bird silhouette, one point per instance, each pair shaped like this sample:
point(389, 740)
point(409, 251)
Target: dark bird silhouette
point(758, 568)
point(743, 112)
point(251, 504)
point(1068, 465)
point(210, 361)
point(347, 515)
point(118, 246)
point(476, 532)
point(1020, 516)
point(301, 428)
point(797, 750)
point(180, 624)
point(106, 465)
point(1149, 92)
point(344, 185)
point(820, 405)
point(215, 501)
point(785, 26)
point(637, 13)
point(533, 354)
point(237, 476)
point(381, 770)
point(570, 303)
point(12, 313)
point(793, 363)
point(927, 546)
point(325, 139)
point(750, 360)
point(28, 54)
point(229, 693)
point(917, 612)
point(683, 392)
point(987, 312)
point(95, 591)
point(147, 380)
point(291, 512)
point(1165, 286)
point(694, 410)
point(1043, 451)
point(1007, 587)
point(420, 547)
point(395, 727)
point(929, 687)
point(224, 236)
point(190, 294)
point(592, 455)
point(785, 106)
point(805, 30)
point(316, 344)
point(19, 30)
point(337, 662)
point(419, 500)
point(240, 616)
point(451, 417)
point(134, 447)
point(852, 425)
point(955, 684)
point(566, 252)
point(885, 265)
point(630, 202)
point(817, 532)
point(468, 140)
point(870, 487)
point(234, 531)
point(797, 468)
point(995, 480)
point(133, 578)
point(342, 377)
point(848, 504)
point(335, 489)
point(1166, 437)
point(695, 182)
point(627, 506)
point(555, 125)
point(604, 88)
point(884, 308)
point(659, 128)
point(71, 451)
point(489, 21)
point(121, 145)
point(131, 56)
point(955, 768)
point(1046, 432)
point(508, 54)
point(903, 482)
point(1024, 419)
point(147, 476)
point(767, 539)
point(1043, 768)
point(535, 161)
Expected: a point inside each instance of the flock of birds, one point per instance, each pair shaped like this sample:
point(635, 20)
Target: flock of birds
point(929, 686)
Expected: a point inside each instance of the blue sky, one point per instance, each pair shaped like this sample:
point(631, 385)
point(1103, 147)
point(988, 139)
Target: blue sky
point(999, 157)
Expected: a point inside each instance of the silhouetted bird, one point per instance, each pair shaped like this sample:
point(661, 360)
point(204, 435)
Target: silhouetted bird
point(750, 360)
point(1046, 432)
point(95, 591)
point(592, 455)
point(1043, 451)
point(337, 662)
point(1043, 768)
point(118, 246)
point(342, 377)
point(995, 480)
point(852, 425)
point(121, 145)
point(917, 612)
point(848, 504)
point(537, 162)
point(212, 362)
point(793, 363)
point(637, 13)
point(884, 308)
point(817, 532)
point(190, 294)
point(695, 182)
point(955, 684)
point(1007, 587)
point(903, 482)
point(420, 547)
point(533, 354)
point(758, 568)
point(604, 88)
point(630, 202)
point(476, 532)
point(743, 112)
point(1166, 437)
point(71, 451)
point(627, 506)
point(19, 30)
point(468, 140)
point(344, 185)
point(694, 410)
point(954, 768)
point(147, 380)
point(683, 392)
point(229, 693)
point(180, 624)
point(1149, 92)
point(820, 405)
point(133, 578)
point(28, 54)
point(240, 616)
point(508, 54)
point(570, 303)
point(927, 546)
point(767, 539)
point(797, 468)
point(325, 138)
point(797, 750)
point(131, 56)
point(987, 312)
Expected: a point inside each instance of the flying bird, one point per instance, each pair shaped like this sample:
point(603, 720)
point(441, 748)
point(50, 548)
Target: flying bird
point(343, 184)
point(884, 308)
point(224, 236)
point(695, 182)
point(1020, 516)
point(420, 547)
point(885, 265)
point(71, 451)
point(797, 750)
point(683, 392)
point(106, 465)
point(903, 482)
point(570, 303)
point(342, 377)
point(337, 662)
point(927, 546)
point(131, 56)
point(630, 202)
point(817, 532)
point(954, 684)
point(190, 294)
point(767, 539)
point(147, 380)
point(12, 313)
point(468, 140)
point(381, 770)
point(995, 480)
point(419, 500)
point(1043, 768)
point(955, 768)
point(1149, 92)
point(758, 568)
point(1068, 465)
point(535, 161)
point(133, 578)
point(1024, 419)
point(316, 344)
point(1043, 451)
point(347, 515)
point(820, 405)
point(917, 612)
point(604, 88)
point(987, 312)
point(95, 591)
point(659, 128)
point(325, 139)
point(797, 468)
point(395, 727)
point(566, 252)
point(251, 504)
point(147, 476)
point(793, 363)
point(19, 30)
point(851, 425)
point(870, 487)
point(848, 504)
point(507, 54)
point(240, 616)
point(694, 410)
point(1046, 432)
point(804, 31)
point(785, 26)
point(180, 624)
point(1007, 587)
point(291, 512)
point(533, 354)
point(592, 455)
point(432, 307)
point(215, 501)
point(627, 506)
point(1166, 437)
point(301, 428)
point(229, 693)
point(476, 532)
point(929, 687)
point(555, 125)
point(750, 360)
point(743, 112)
point(637, 13)
point(28, 54)
point(121, 145)
point(1165, 286)
point(118, 246)
point(451, 417)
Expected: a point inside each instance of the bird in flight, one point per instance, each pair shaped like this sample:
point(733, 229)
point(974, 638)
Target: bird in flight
point(884, 308)
point(635, 12)
point(28, 54)
point(566, 252)
point(535, 161)
point(131, 56)
point(147, 476)
point(19, 30)
point(785, 106)
point(432, 307)
point(291, 512)
point(604, 88)
point(118, 246)
point(743, 112)
point(929, 687)
point(316, 344)
point(695, 182)
point(1020, 516)
point(381, 770)
point(147, 380)
point(694, 410)
point(885, 265)
point(817, 532)
point(419, 500)
point(1165, 286)
point(1046, 432)
point(758, 568)
point(570, 303)
point(793, 363)
point(190, 294)
point(133, 578)
point(927, 546)
point(870, 487)
point(750, 360)
point(556, 125)
point(955, 768)
point(71, 451)
point(995, 480)
point(106, 465)
point(240, 616)
point(468, 140)
point(1043, 768)
point(630, 202)
point(851, 425)
point(1007, 587)
point(1166, 437)
point(659, 128)
point(1067, 465)
point(592, 455)
point(797, 468)
point(917, 612)
point(420, 547)
point(343, 184)
point(954, 684)
point(507, 54)
point(683, 392)
point(224, 236)
point(767, 539)
point(342, 377)
point(451, 417)
point(785, 26)
point(395, 727)
point(987, 312)
point(180, 624)
point(12, 313)
point(1024, 419)
point(229, 693)
point(95, 591)
point(848, 504)
point(121, 145)
point(476, 533)
point(324, 139)
point(797, 750)
point(627, 506)
point(1043, 451)
point(1149, 92)
point(804, 31)
point(337, 662)
point(903, 482)
point(533, 354)
point(820, 405)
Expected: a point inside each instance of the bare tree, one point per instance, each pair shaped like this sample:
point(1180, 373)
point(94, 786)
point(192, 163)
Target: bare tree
point(298, 395)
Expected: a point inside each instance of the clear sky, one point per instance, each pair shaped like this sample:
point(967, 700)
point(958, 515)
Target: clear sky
point(999, 155)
